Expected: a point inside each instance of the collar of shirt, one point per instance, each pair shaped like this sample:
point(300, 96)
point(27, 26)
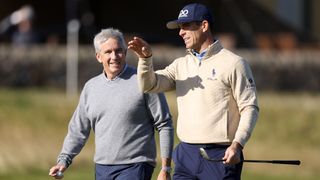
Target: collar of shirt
point(115, 78)
point(199, 55)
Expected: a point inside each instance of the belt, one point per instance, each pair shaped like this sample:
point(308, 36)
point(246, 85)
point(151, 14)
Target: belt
point(210, 145)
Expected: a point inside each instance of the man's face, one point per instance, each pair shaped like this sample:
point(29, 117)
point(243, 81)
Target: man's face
point(192, 35)
point(112, 56)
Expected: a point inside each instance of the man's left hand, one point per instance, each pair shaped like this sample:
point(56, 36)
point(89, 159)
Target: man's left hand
point(232, 154)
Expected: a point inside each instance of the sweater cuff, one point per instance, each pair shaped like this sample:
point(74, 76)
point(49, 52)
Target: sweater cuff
point(242, 140)
point(64, 160)
point(145, 61)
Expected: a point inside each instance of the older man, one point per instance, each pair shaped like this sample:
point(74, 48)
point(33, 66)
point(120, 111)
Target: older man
point(122, 118)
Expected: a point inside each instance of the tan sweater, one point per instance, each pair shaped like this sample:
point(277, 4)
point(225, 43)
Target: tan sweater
point(216, 97)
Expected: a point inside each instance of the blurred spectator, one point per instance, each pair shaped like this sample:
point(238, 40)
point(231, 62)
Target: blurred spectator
point(19, 25)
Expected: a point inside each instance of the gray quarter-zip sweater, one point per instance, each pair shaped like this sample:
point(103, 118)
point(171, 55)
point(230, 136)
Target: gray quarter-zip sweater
point(123, 120)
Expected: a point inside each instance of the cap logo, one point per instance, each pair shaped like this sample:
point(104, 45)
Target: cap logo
point(183, 13)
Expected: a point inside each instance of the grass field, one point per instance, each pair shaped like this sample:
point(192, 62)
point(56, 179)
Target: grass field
point(33, 123)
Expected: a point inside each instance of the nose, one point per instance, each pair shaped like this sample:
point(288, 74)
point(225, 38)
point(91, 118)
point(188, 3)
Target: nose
point(181, 32)
point(113, 55)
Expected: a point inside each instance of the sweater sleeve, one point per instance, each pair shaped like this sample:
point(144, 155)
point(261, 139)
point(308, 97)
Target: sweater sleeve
point(161, 116)
point(78, 132)
point(151, 81)
point(245, 94)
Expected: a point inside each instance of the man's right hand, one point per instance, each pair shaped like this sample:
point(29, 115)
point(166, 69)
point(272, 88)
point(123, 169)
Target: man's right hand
point(140, 47)
point(55, 169)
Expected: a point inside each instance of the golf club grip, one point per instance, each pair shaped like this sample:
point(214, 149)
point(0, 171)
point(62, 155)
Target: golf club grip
point(291, 162)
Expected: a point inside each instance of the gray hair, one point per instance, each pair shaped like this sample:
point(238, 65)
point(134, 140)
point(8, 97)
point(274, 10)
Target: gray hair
point(106, 34)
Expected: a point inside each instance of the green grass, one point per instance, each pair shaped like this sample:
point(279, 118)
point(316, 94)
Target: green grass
point(33, 123)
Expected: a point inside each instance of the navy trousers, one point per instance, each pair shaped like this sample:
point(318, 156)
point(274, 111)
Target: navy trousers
point(190, 165)
point(138, 171)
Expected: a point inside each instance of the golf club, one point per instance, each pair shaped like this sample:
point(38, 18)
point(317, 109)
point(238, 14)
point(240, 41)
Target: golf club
point(288, 162)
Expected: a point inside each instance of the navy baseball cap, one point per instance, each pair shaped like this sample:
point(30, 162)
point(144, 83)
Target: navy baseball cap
point(191, 13)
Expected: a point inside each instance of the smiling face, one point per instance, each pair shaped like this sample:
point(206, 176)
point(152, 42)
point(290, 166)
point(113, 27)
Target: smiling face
point(195, 35)
point(112, 56)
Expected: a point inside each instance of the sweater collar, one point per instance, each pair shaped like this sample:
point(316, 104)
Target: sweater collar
point(211, 50)
point(117, 77)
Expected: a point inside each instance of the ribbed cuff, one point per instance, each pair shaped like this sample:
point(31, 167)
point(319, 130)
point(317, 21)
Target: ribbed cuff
point(64, 160)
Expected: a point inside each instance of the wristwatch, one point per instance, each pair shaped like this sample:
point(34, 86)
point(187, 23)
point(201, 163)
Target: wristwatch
point(167, 169)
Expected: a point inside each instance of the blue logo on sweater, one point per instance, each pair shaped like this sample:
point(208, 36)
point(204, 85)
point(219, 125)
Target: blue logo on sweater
point(213, 74)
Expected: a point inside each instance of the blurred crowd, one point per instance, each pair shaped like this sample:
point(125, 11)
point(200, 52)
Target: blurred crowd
point(18, 27)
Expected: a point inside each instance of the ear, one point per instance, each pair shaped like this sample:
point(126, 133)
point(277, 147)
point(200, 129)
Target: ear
point(98, 57)
point(205, 25)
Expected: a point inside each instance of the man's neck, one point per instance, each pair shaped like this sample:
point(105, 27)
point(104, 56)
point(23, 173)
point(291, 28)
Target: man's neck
point(112, 76)
point(206, 44)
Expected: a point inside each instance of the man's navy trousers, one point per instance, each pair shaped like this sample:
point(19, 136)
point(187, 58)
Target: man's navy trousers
point(189, 164)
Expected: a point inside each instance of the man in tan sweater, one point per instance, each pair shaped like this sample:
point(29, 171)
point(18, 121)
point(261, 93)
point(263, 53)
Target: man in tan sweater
point(216, 97)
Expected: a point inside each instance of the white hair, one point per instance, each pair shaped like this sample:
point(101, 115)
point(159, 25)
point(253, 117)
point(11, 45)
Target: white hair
point(106, 34)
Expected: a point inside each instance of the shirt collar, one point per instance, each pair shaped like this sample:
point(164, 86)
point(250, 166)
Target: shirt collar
point(115, 78)
point(212, 49)
point(199, 55)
